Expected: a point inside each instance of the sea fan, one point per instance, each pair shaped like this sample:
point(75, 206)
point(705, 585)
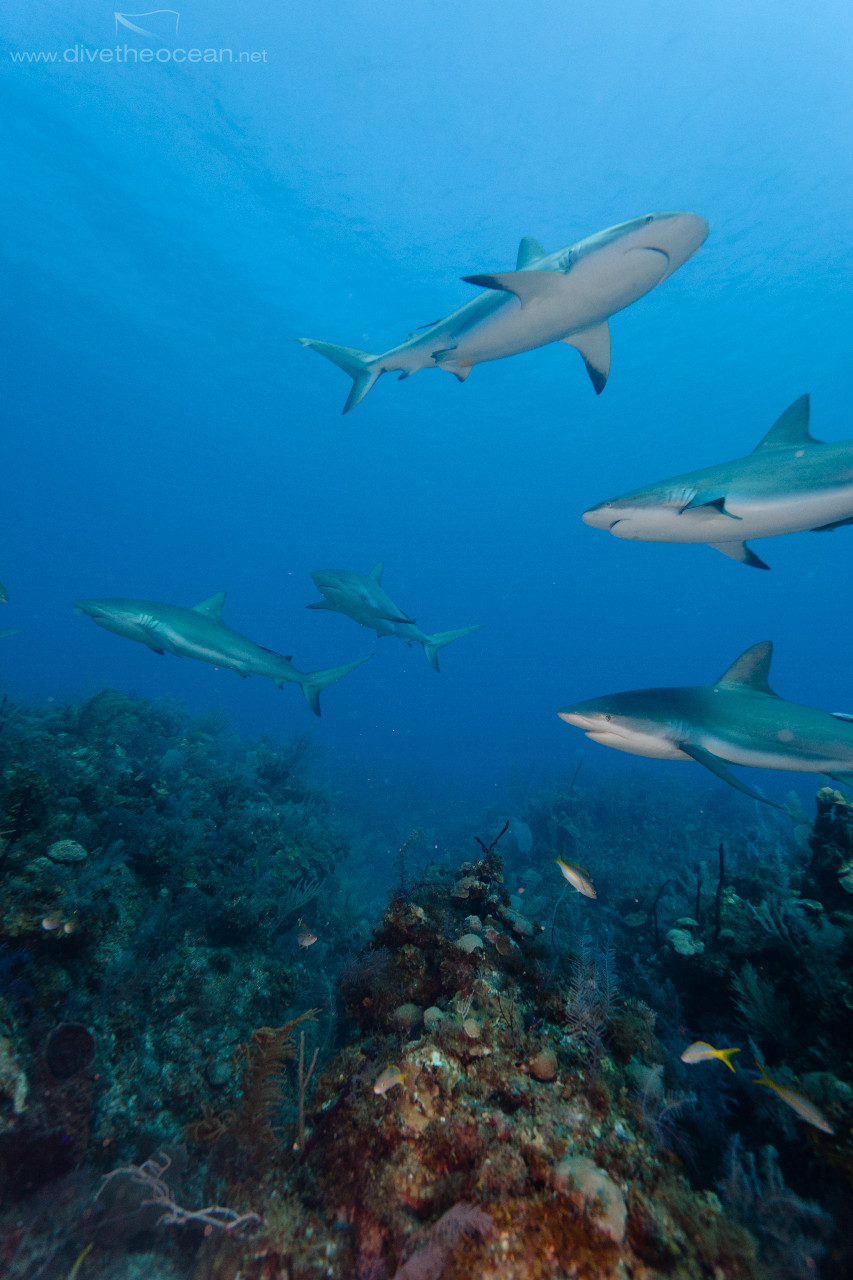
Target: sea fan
point(431, 1258)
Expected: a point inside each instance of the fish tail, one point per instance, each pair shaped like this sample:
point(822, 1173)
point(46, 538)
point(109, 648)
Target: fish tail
point(433, 643)
point(314, 682)
point(764, 1078)
point(361, 366)
point(725, 1054)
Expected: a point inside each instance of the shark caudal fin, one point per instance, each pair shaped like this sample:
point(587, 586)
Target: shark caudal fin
point(314, 682)
point(360, 365)
point(432, 644)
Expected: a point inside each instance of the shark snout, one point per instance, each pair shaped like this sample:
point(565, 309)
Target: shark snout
point(573, 715)
point(607, 515)
point(678, 235)
point(602, 516)
point(89, 607)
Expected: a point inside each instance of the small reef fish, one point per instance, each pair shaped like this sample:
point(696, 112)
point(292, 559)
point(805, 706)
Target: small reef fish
point(805, 1110)
point(577, 878)
point(565, 296)
point(736, 720)
point(701, 1051)
point(389, 1077)
point(305, 936)
point(361, 596)
point(199, 632)
point(12, 631)
point(4, 594)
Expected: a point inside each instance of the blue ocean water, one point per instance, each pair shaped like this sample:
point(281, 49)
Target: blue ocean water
point(170, 228)
point(178, 905)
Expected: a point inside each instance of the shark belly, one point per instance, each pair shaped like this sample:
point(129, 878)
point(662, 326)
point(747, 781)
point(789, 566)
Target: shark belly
point(745, 517)
point(605, 282)
point(636, 743)
point(764, 755)
point(789, 513)
point(211, 644)
point(515, 329)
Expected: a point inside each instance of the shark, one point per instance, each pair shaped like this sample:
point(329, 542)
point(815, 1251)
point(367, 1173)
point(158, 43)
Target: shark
point(199, 632)
point(789, 483)
point(565, 296)
point(361, 596)
point(738, 720)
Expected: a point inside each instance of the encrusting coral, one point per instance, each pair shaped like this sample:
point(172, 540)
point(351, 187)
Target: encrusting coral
point(499, 1090)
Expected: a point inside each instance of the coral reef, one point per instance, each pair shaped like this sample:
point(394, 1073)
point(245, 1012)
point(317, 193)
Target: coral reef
point(486, 1080)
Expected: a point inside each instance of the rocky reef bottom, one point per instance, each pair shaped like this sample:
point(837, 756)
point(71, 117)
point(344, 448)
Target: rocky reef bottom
point(486, 1083)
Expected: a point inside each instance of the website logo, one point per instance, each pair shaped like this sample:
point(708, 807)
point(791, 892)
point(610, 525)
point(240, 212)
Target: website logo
point(164, 27)
point(142, 39)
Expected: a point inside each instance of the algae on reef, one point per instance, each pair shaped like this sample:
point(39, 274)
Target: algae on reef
point(499, 1087)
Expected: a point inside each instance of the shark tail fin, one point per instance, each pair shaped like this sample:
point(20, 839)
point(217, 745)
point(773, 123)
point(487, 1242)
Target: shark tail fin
point(433, 643)
point(361, 366)
point(314, 682)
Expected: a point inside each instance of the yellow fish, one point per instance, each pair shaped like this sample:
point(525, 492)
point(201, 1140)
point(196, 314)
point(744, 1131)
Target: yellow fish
point(805, 1110)
point(390, 1076)
point(700, 1051)
point(577, 878)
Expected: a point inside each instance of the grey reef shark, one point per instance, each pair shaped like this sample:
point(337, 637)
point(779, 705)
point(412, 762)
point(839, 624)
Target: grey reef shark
point(789, 483)
point(737, 720)
point(360, 596)
point(199, 632)
point(566, 296)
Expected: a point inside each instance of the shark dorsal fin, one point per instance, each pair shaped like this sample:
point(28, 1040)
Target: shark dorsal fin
point(529, 250)
point(212, 606)
point(750, 670)
point(791, 428)
point(376, 572)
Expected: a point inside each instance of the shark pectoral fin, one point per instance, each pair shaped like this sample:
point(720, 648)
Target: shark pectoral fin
point(707, 504)
point(828, 528)
point(721, 769)
point(529, 251)
point(741, 552)
point(594, 347)
point(212, 606)
point(320, 604)
point(528, 286)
